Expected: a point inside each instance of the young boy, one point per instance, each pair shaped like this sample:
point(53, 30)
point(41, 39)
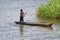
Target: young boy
point(21, 16)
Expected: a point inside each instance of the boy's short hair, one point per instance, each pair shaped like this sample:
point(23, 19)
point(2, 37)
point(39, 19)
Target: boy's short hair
point(21, 10)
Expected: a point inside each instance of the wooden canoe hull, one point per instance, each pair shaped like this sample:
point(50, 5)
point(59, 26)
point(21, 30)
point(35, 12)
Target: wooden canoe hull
point(35, 23)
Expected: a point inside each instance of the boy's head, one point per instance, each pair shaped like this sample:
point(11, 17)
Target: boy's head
point(21, 10)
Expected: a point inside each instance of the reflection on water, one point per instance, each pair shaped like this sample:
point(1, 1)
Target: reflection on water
point(46, 27)
point(21, 29)
point(34, 32)
point(48, 20)
point(42, 27)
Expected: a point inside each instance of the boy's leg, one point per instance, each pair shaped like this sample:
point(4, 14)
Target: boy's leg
point(20, 18)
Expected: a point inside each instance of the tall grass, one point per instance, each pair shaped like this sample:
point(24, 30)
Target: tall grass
point(50, 9)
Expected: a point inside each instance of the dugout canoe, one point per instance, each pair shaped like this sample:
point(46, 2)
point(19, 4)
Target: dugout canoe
point(35, 23)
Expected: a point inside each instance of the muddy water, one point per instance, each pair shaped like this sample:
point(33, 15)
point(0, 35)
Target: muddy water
point(9, 13)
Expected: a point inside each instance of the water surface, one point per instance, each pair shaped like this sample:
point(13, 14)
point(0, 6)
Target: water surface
point(9, 13)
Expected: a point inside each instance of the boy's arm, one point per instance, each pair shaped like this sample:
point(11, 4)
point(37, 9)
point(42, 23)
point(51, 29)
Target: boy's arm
point(24, 14)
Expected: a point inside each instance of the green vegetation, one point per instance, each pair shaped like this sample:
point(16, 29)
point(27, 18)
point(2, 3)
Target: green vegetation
point(50, 9)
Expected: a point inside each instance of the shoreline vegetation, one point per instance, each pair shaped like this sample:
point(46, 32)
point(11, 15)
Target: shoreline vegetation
point(51, 9)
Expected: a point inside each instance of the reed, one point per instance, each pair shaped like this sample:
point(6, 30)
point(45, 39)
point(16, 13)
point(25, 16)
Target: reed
point(50, 9)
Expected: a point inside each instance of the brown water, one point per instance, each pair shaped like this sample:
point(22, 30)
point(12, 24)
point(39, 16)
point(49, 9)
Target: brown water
point(9, 13)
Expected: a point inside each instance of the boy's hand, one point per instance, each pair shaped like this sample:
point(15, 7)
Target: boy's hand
point(24, 14)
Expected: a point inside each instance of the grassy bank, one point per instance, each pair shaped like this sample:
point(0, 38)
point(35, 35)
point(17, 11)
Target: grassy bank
point(50, 9)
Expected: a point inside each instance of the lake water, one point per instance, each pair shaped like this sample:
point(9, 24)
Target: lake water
point(9, 13)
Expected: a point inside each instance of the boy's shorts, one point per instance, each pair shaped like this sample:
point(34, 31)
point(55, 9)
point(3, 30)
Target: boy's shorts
point(21, 18)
